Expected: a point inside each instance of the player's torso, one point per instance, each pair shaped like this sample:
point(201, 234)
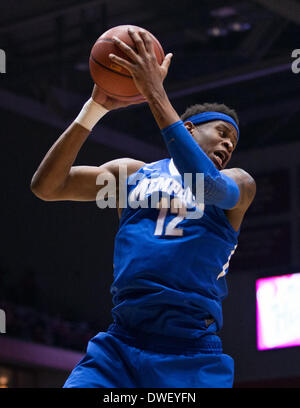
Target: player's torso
point(171, 254)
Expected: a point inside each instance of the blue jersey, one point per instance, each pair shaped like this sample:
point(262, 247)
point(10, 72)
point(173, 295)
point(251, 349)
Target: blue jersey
point(169, 263)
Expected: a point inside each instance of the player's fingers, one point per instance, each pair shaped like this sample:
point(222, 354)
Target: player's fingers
point(166, 62)
point(120, 61)
point(138, 101)
point(138, 40)
point(148, 44)
point(126, 49)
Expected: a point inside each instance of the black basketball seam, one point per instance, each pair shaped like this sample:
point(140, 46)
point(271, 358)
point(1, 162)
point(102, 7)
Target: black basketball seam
point(109, 69)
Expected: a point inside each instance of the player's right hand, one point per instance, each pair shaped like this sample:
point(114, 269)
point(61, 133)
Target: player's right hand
point(141, 62)
point(110, 103)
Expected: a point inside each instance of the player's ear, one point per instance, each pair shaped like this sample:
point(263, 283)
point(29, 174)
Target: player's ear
point(189, 125)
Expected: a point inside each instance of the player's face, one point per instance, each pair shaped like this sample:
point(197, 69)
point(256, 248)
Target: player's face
point(217, 138)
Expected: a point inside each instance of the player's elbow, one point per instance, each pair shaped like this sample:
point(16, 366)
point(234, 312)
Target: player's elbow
point(41, 194)
point(41, 191)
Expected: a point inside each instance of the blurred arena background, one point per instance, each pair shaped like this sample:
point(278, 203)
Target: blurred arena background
point(56, 258)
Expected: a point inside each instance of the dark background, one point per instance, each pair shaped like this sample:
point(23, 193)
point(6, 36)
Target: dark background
point(56, 258)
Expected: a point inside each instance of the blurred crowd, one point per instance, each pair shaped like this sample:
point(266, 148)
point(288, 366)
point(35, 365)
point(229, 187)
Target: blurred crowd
point(27, 323)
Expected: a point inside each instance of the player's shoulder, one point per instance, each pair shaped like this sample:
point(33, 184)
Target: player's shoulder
point(133, 165)
point(136, 165)
point(124, 163)
point(129, 161)
point(240, 176)
point(246, 183)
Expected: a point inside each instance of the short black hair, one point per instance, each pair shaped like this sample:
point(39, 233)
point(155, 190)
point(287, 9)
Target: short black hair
point(209, 107)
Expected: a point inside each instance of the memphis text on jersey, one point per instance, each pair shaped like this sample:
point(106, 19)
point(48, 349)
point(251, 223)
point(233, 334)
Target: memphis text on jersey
point(152, 187)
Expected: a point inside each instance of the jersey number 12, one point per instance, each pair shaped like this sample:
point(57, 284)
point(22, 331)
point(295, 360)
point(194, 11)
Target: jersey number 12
point(176, 207)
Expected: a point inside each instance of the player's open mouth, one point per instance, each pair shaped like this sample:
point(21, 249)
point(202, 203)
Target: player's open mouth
point(219, 158)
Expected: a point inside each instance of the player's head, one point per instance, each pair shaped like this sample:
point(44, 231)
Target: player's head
point(214, 127)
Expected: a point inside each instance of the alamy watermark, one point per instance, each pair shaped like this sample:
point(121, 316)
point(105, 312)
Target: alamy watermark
point(2, 321)
point(296, 63)
point(154, 191)
point(2, 62)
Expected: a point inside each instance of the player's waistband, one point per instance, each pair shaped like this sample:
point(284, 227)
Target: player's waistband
point(207, 343)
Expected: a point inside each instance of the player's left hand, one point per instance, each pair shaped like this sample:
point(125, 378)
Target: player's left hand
point(147, 74)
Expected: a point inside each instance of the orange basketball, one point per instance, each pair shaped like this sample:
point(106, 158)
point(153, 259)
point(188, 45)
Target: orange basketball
point(113, 79)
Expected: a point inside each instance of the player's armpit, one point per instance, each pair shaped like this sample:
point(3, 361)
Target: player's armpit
point(247, 187)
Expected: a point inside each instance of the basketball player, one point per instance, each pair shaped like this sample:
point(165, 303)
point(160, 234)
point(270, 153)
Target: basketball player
point(169, 266)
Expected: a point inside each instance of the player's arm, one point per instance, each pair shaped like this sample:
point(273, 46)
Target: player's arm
point(82, 182)
point(57, 179)
point(247, 188)
point(219, 189)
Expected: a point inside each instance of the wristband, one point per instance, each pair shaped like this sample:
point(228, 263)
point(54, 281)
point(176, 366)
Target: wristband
point(90, 114)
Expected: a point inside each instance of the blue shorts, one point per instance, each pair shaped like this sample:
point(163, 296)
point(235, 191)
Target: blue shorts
point(118, 360)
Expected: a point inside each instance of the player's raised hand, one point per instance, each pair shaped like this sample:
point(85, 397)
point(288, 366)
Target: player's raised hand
point(110, 103)
point(147, 73)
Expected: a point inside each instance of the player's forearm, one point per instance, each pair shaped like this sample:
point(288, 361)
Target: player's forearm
point(161, 108)
point(55, 167)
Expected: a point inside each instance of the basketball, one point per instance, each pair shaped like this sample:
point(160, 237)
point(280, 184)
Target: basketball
point(114, 80)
